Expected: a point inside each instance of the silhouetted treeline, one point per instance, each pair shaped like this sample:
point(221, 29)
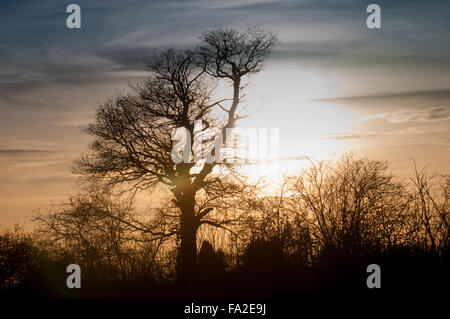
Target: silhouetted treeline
point(312, 237)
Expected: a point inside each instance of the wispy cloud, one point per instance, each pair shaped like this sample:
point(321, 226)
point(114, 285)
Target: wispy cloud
point(433, 114)
point(9, 152)
point(350, 136)
point(442, 96)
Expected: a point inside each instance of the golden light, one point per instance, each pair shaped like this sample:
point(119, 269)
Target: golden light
point(289, 100)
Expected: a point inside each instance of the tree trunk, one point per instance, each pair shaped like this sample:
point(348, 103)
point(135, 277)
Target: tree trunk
point(188, 249)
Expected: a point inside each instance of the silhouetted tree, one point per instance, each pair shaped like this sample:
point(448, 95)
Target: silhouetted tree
point(211, 263)
point(17, 258)
point(272, 218)
point(351, 205)
point(431, 206)
point(100, 233)
point(134, 132)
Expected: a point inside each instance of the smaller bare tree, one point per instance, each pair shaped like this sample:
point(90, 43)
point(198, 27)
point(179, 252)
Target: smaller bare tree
point(351, 205)
point(431, 205)
point(102, 232)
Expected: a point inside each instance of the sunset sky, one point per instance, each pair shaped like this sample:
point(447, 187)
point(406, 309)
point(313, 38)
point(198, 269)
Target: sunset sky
point(332, 85)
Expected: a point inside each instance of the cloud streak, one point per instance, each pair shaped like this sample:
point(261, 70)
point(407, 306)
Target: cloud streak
point(14, 152)
point(350, 136)
point(433, 114)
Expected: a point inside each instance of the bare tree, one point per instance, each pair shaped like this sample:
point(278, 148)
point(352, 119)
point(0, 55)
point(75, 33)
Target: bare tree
point(18, 257)
point(351, 205)
point(134, 132)
point(102, 233)
point(431, 205)
point(273, 218)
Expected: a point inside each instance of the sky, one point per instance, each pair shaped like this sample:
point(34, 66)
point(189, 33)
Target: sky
point(331, 86)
